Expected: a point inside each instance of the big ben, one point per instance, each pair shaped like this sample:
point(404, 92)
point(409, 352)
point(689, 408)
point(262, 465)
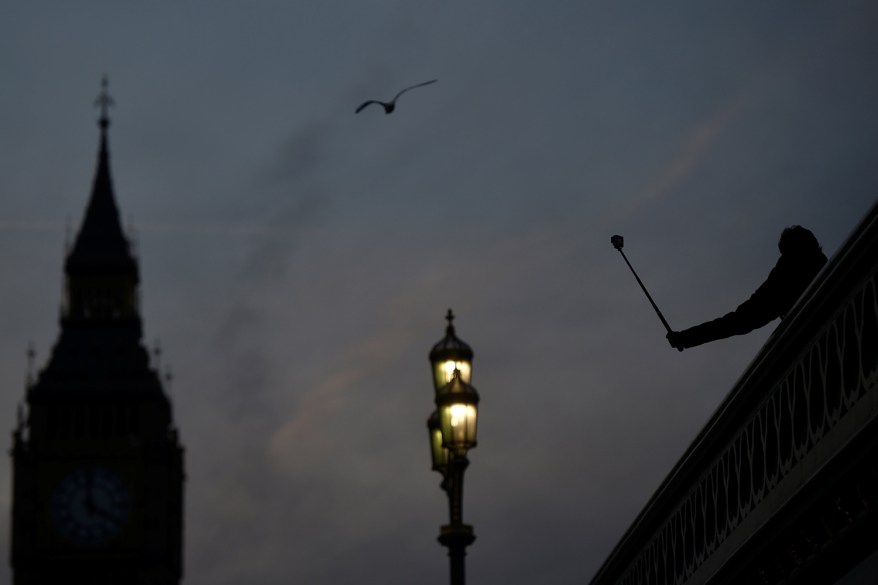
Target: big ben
point(97, 461)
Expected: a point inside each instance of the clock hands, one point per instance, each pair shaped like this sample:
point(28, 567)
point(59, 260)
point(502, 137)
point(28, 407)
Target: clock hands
point(91, 506)
point(103, 513)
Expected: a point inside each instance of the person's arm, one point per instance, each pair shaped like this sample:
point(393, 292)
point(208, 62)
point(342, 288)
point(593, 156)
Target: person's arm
point(757, 311)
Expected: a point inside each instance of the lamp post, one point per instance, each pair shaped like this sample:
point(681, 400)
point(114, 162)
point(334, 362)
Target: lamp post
point(452, 428)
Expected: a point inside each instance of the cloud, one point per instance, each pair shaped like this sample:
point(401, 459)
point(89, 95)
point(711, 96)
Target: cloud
point(693, 148)
point(205, 228)
point(330, 420)
point(44, 225)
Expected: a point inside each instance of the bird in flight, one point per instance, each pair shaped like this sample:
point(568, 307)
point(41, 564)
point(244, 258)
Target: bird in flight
point(391, 105)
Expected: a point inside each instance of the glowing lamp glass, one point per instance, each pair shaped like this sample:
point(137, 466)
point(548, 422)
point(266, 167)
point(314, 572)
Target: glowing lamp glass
point(443, 372)
point(458, 423)
point(457, 403)
point(438, 453)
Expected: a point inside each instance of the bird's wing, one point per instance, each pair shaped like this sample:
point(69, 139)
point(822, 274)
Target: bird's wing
point(414, 86)
point(366, 103)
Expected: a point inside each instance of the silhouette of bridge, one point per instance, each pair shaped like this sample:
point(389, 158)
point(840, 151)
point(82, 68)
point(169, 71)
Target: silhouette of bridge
point(781, 485)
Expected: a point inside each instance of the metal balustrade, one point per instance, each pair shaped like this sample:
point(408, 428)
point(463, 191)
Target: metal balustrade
point(757, 496)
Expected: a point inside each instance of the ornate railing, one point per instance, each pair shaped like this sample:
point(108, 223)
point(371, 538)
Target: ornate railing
point(807, 402)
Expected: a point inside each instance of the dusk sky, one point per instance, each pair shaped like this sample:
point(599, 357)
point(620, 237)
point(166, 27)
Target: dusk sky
point(297, 259)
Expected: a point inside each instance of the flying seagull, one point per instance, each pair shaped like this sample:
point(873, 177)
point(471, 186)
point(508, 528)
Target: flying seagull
point(391, 105)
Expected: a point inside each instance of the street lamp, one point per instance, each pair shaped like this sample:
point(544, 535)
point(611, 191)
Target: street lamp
point(452, 427)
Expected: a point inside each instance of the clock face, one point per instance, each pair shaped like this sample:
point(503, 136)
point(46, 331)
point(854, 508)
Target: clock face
point(90, 507)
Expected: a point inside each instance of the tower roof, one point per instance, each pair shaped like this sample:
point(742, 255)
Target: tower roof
point(101, 245)
point(99, 350)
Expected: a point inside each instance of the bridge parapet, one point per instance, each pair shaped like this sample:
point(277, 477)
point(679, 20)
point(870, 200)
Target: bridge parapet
point(781, 484)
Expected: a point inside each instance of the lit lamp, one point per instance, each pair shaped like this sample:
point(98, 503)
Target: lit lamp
point(450, 354)
point(452, 427)
point(458, 405)
point(439, 454)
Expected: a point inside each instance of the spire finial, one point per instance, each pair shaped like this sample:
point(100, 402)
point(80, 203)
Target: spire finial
point(104, 101)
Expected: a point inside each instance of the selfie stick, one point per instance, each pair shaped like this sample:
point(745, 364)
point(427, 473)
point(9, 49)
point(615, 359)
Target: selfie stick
point(618, 242)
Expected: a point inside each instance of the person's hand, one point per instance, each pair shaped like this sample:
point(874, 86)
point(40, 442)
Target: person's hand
point(674, 340)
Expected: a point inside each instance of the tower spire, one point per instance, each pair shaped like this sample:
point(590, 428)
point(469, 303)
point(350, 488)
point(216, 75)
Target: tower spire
point(102, 273)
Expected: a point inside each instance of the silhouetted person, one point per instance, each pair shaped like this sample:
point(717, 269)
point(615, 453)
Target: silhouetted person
point(801, 258)
point(391, 105)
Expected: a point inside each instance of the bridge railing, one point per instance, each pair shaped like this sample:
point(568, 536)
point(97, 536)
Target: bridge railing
point(808, 393)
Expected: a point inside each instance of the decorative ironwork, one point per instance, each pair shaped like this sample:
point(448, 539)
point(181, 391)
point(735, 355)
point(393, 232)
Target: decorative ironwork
point(754, 459)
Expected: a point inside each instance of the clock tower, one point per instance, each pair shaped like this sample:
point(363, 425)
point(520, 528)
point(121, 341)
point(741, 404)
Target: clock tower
point(97, 461)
